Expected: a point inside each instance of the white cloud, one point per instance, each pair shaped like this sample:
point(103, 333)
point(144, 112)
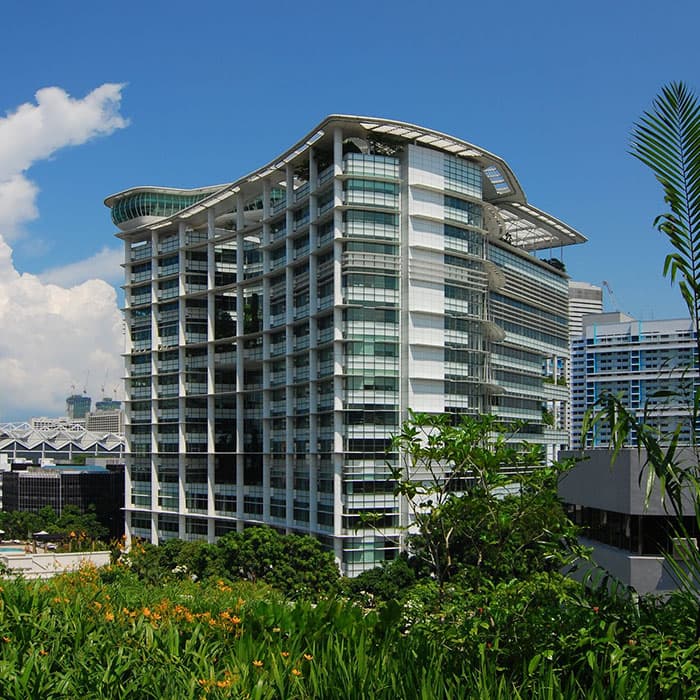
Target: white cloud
point(17, 204)
point(51, 337)
point(57, 327)
point(106, 265)
point(34, 132)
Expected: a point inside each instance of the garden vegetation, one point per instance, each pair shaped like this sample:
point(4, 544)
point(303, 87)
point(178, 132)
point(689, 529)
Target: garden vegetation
point(478, 607)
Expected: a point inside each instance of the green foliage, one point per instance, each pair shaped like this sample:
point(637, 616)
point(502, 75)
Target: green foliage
point(85, 526)
point(296, 565)
point(667, 140)
point(19, 525)
point(391, 581)
point(484, 506)
point(78, 635)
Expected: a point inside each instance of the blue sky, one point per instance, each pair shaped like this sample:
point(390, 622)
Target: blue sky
point(215, 89)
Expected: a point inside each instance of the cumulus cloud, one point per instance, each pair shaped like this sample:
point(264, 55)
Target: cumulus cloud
point(106, 265)
point(61, 325)
point(34, 132)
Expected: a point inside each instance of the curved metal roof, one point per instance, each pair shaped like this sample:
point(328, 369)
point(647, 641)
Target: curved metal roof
point(503, 188)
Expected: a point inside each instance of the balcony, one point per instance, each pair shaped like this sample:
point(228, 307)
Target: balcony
point(141, 277)
point(168, 270)
point(326, 175)
point(193, 388)
point(301, 192)
point(141, 252)
point(278, 206)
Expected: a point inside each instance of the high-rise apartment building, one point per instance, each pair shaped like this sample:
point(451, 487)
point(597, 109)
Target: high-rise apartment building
point(282, 326)
point(639, 361)
point(584, 299)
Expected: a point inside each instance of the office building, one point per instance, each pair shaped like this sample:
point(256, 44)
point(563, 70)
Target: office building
point(282, 326)
point(85, 487)
point(628, 529)
point(77, 405)
point(584, 299)
point(634, 360)
point(107, 404)
point(105, 421)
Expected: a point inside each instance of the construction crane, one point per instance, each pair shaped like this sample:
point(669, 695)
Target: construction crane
point(616, 304)
point(102, 388)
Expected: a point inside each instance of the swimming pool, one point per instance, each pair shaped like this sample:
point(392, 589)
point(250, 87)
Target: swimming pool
point(11, 549)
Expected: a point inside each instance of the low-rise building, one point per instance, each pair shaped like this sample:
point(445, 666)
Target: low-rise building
point(630, 535)
point(33, 488)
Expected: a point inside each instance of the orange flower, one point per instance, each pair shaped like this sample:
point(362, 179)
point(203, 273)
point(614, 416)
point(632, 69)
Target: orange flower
point(43, 652)
point(7, 640)
point(285, 654)
point(109, 616)
point(308, 657)
point(257, 663)
point(296, 672)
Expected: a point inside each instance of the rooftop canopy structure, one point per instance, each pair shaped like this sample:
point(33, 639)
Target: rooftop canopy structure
point(514, 219)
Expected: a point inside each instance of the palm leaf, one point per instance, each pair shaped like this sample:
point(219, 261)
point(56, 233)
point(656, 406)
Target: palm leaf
point(667, 140)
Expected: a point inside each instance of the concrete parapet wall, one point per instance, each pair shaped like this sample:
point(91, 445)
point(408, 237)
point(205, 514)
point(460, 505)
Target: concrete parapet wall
point(49, 564)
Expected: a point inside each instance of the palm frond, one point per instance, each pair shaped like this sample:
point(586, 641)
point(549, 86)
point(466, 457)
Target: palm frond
point(667, 140)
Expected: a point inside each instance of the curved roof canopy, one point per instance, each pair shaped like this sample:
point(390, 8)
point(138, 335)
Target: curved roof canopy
point(527, 226)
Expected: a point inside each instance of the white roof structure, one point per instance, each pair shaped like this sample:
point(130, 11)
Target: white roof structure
point(524, 225)
point(22, 436)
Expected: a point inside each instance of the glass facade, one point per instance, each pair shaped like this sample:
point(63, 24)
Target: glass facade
point(278, 341)
point(159, 204)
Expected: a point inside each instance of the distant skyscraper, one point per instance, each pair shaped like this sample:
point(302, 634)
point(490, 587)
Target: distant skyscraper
point(584, 299)
point(107, 404)
point(77, 405)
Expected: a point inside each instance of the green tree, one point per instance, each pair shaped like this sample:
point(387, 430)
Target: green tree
point(83, 525)
point(482, 503)
point(19, 525)
point(294, 564)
